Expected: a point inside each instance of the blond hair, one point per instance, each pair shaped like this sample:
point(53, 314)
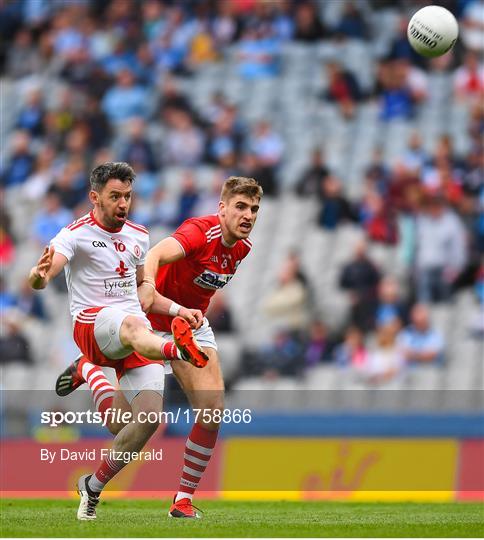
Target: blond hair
point(240, 185)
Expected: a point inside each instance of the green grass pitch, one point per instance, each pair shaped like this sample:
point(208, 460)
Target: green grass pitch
point(148, 518)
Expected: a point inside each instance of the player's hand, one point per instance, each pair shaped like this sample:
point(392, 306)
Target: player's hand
point(194, 317)
point(44, 264)
point(146, 296)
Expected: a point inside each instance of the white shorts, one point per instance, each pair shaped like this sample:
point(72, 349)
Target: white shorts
point(204, 336)
point(149, 377)
point(106, 332)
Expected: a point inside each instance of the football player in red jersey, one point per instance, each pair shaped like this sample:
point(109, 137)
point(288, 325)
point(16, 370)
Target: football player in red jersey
point(189, 266)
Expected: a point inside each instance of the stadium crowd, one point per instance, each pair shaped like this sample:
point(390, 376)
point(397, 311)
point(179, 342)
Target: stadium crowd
point(120, 66)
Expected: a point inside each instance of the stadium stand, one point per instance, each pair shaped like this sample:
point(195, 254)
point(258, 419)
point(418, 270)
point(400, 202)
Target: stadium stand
point(203, 93)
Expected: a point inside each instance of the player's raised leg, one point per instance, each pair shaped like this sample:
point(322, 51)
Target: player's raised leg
point(118, 334)
point(205, 390)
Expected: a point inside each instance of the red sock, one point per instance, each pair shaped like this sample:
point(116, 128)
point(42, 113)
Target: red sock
point(102, 390)
point(198, 451)
point(169, 351)
point(108, 468)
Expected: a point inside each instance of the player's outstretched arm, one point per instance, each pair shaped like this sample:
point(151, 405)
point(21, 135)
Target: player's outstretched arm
point(166, 251)
point(47, 267)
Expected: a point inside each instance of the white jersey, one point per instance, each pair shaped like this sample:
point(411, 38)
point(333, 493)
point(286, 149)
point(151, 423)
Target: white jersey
point(101, 267)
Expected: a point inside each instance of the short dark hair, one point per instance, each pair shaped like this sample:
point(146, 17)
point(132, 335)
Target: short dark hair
point(111, 169)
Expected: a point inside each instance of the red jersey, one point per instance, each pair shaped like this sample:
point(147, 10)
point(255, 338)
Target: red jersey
point(208, 265)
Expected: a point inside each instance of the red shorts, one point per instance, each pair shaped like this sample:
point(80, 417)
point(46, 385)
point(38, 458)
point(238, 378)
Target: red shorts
point(86, 341)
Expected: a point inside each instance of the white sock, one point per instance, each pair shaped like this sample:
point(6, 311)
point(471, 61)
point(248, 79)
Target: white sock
point(182, 495)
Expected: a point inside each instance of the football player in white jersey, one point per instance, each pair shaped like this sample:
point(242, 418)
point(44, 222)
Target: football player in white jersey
point(103, 254)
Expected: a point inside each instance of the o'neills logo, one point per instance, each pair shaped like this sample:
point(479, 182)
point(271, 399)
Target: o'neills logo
point(426, 40)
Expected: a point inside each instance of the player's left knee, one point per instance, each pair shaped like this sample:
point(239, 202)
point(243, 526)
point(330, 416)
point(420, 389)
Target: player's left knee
point(131, 330)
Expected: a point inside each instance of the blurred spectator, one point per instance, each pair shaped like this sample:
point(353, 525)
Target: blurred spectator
point(14, 347)
point(308, 25)
point(360, 278)
point(223, 140)
point(415, 157)
point(145, 65)
point(403, 189)
point(60, 120)
point(266, 144)
point(441, 250)
point(419, 342)
point(287, 305)
point(293, 262)
point(377, 174)
point(162, 212)
point(81, 71)
point(414, 78)
point(282, 22)
point(20, 163)
point(70, 185)
point(336, 208)
point(473, 177)
point(171, 48)
point(473, 26)
point(225, 24)
point(137, 148)
point(352, 352)
point(317, 347)
point(31, 303)
point(7, 298)
point(385, 360)
point(51, 218)
point(153, 13)
point(188, 197)
point(172, 100)
point(283, 357)
point(445, 152)
point(378, 219)
point(120, 57)
point(184, 142)
point(469, 78)
point(147, 182)
point(214, 110)
point(443, 180)
point(7, 248)
point(352, 23)
point(390, 305)
point(96, 123)
point(209, 198)
point(400, 46)
point(125, 99)
point(258, 54)
point(23, 57)
point(202, 47)
point(343, 89)
point(31, 115)
point(477, 324)
point(42, 177)
point(219, 314)
point(251, 167)
point(396, 99)
point(67, 38)
point(312, 179)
